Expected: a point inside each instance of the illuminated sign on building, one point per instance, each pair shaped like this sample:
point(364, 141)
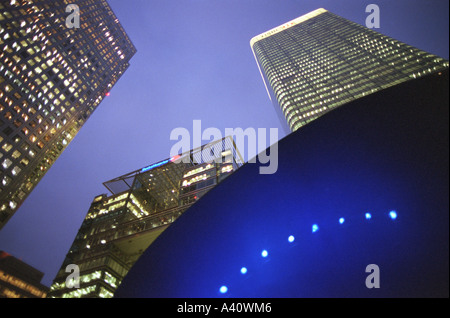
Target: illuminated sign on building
point(160, 163)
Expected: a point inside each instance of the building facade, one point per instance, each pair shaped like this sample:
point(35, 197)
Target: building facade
point(118, 228)
point(52, 78)
point(320, 61)
point(20, 280)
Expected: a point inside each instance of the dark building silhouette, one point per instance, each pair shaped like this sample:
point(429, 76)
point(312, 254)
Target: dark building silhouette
point(20, 280)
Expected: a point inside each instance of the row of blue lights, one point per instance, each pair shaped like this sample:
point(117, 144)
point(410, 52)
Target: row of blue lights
point(264, 253)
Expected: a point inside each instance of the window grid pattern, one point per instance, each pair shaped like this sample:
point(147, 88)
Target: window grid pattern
point(327, 61)
point(118, 229)
point(52, 78)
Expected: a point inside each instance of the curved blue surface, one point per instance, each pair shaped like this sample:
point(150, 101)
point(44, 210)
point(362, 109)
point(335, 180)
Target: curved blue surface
point(386, 152)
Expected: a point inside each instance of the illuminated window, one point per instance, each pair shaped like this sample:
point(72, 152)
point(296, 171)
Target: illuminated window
point(6, 163)
point(15, 171)
point(33, 138)
point(6, 147)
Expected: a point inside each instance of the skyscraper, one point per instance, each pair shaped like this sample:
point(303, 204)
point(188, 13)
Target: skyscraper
point(52, 77)
point(119, 228)
point(320, 61)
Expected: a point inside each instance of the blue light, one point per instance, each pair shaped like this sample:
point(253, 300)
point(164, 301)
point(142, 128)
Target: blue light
point(291, 238)
point(368, 216)
point(155, 165)
point(341, 220)
point(393, 215)
point(223, 289)
point(244, 270)
point(315, 228)
point(264, 253)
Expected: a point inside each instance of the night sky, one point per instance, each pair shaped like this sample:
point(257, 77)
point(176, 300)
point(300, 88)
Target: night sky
point(193, 61)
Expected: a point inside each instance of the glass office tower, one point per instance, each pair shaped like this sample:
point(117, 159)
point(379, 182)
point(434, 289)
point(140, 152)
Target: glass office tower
point(52, 78)
point(118, 228)
point(320, 61)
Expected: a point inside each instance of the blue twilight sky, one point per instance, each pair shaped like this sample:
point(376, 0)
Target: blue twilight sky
point(193, 61)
